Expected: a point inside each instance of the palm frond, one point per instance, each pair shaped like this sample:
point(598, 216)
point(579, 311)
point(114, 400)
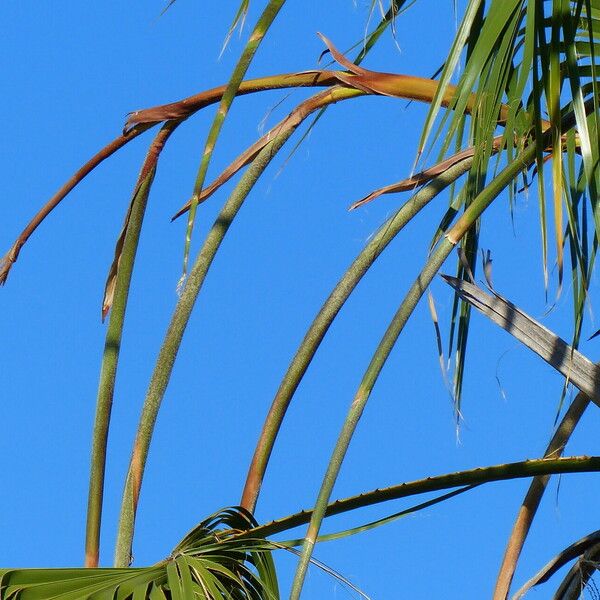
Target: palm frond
point(526, 64)
point(210, 563)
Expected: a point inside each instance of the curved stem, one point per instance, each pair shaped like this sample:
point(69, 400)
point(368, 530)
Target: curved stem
point(395, 85)
point(12, 255)
point(142, 120)
point(182, 109)
point(435, 261)
point(171, 344)
point(482, 475)
point(359, 402)
point(533, 497)
point(452, 237)
point(325, 317)
point(112, 345)
point(321, 100)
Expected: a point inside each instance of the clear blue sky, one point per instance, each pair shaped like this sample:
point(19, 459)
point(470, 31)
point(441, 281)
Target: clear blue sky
point(71, 71)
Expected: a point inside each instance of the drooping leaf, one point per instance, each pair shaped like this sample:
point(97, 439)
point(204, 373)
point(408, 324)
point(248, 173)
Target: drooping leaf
point(581, 371)
point(562, 558)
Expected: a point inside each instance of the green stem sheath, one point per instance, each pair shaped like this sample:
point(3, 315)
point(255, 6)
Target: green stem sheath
point(172, 342)
point(108, 371)
point(358, 404)
point(112, 345)
point(407, 307)
point(319, 327)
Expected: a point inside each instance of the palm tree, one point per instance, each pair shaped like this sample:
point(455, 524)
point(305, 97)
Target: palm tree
point(514, 106)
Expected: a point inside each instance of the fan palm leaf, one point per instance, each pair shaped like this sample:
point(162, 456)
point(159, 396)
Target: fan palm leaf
point(209, 564)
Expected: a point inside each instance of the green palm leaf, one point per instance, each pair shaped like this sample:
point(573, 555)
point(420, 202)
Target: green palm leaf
point(210, 563)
